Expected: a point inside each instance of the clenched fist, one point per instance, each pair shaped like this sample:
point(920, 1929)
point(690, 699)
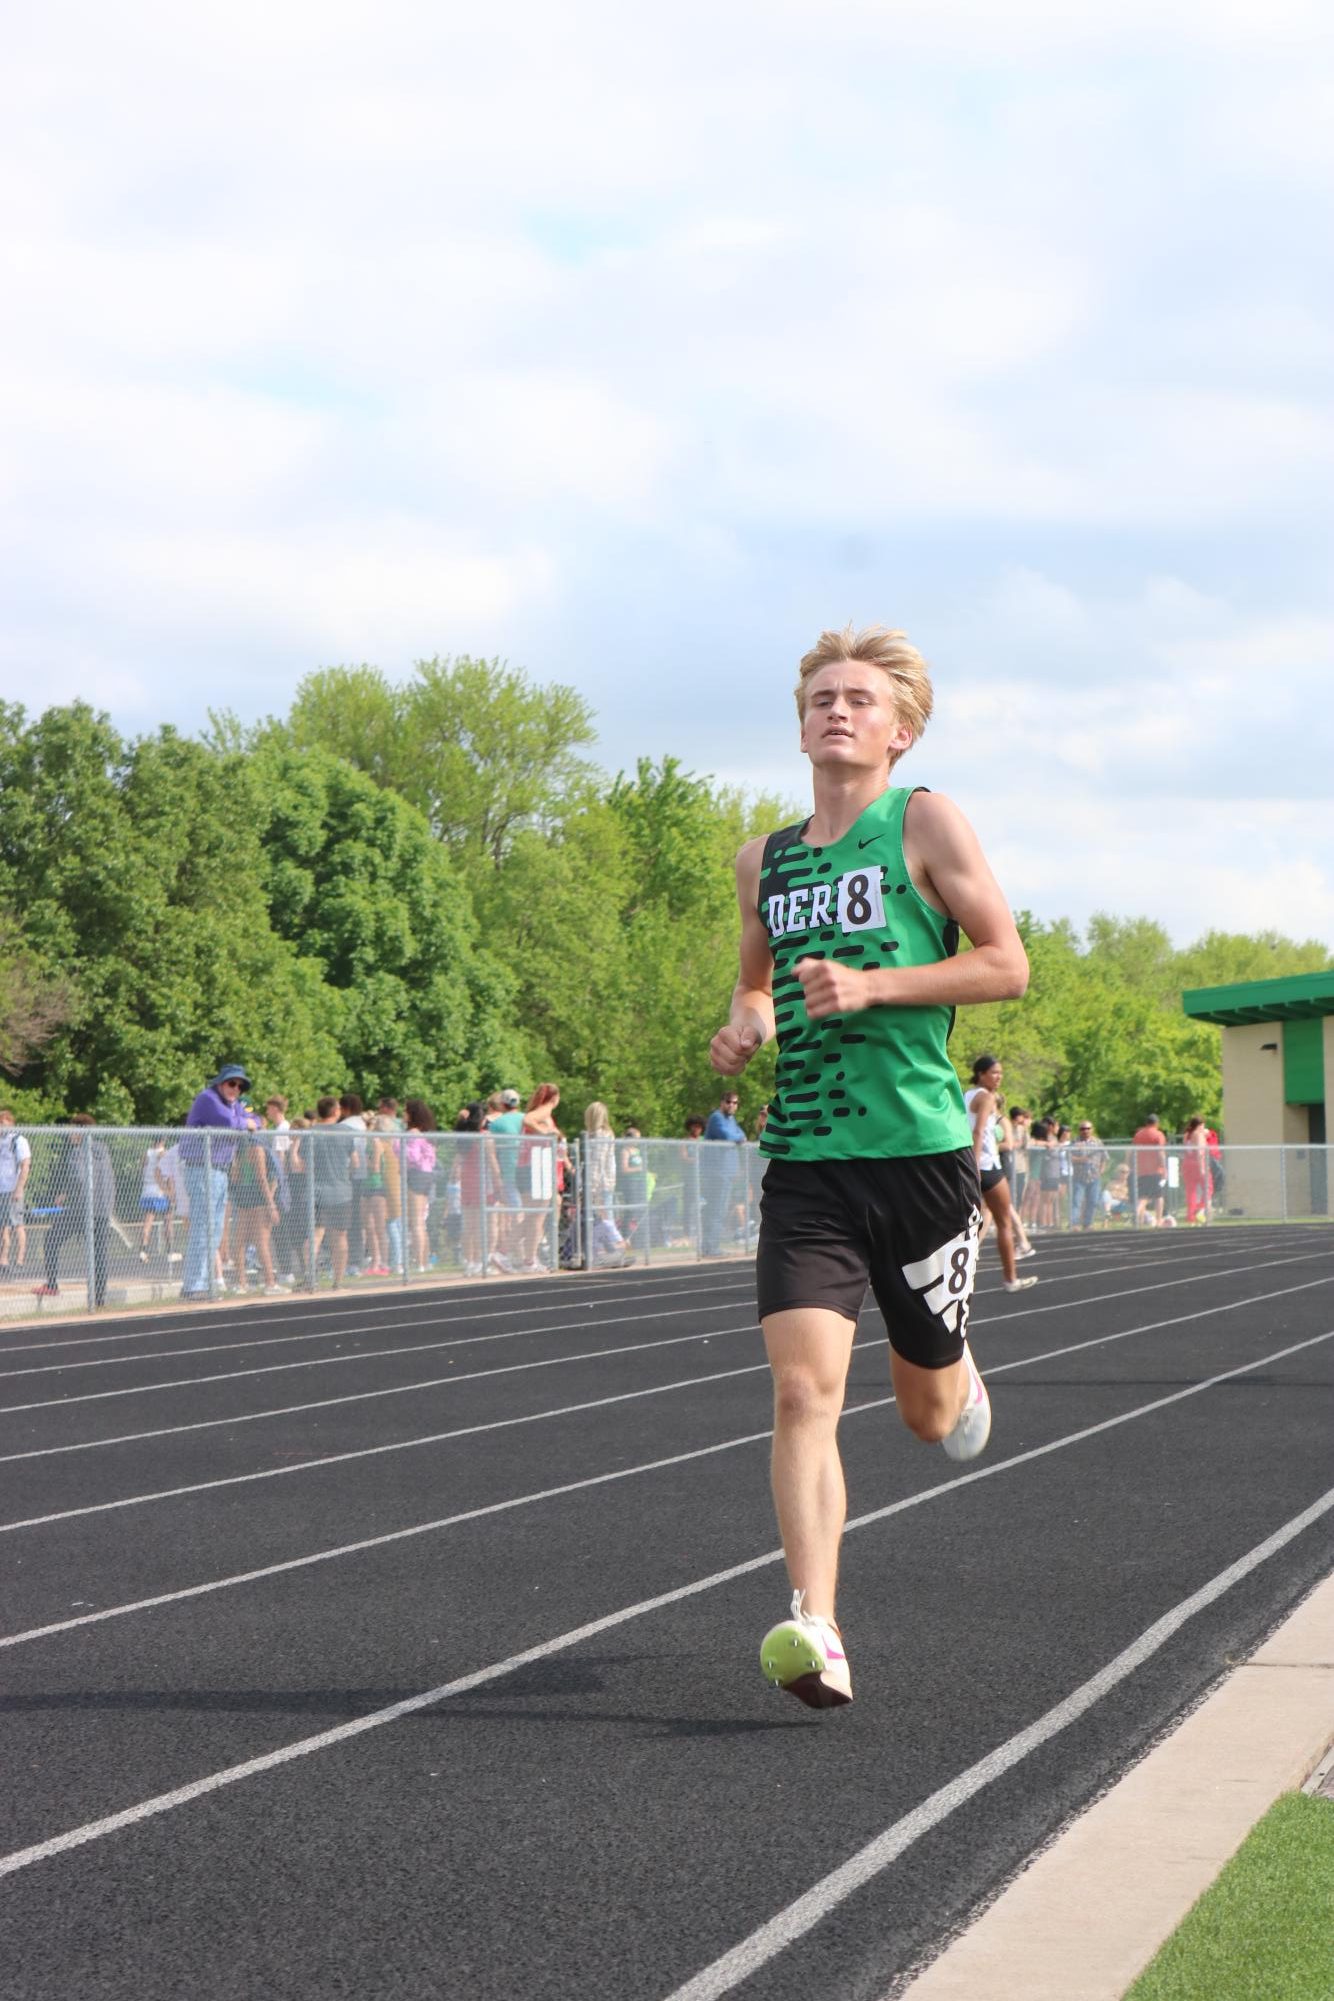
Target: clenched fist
point(731, 1050)
point(831, 989)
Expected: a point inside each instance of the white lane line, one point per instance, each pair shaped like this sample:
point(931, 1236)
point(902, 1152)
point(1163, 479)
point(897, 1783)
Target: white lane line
point(1148, 1642)
point(515, 1333)
point(393, 1390)
point(345, 1333)
point(704, 1279)
point(783, 1930)
point(621, 1473)
point(475, 1375)
point(565, 1410)
point(379, 1355)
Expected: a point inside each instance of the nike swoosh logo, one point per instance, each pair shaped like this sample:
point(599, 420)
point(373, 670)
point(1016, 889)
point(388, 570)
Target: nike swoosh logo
point(867, 844)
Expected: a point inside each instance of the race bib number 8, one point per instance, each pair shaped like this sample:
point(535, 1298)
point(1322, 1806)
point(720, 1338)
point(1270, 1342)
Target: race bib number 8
point(945, 1279)
point(861, 900)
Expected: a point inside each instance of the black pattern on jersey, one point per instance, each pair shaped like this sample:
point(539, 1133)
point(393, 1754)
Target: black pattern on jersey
point(809, 914)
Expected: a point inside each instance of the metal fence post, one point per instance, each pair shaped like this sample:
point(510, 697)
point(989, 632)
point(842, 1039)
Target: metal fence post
point(310, 1143)
point(552, 1151)
point(1283, 1181)
point(585, 1203)
point(1134, 1191)
point(210, 1247)
point(89, 1225)
point(403, 1208)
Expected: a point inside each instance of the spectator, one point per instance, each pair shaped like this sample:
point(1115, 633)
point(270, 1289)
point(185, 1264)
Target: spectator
point(1219, 1173)
point(1050, 1174)
point(254, 1210)
point(83, 1188)
point(691, 1213)
point(172, 1177)
point(382, 1175)
point(154, 1201)
point(330, 1169)
point(213, 1124)
point(632, 1181)
point(1005, 1145)
point(543, 1142)
point(352, 1116)
point(1116, 1195)
point(718, 1169)
point(505, 1121)
point(1088, 1163)
point(1150, 1144)
point(1019, 1121)
point(15, 1167)
point(1196, 1172)
point(287, 1232)
point(421, 1163)
point(479, 1184)
point(388, 1109)
point(608, 1246)
point(1038, 1135)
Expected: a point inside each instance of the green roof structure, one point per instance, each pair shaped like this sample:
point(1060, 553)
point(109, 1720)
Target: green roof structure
point(1300, 997)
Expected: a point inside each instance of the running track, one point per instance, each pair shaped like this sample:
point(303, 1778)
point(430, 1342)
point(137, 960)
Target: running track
point(406, 1647)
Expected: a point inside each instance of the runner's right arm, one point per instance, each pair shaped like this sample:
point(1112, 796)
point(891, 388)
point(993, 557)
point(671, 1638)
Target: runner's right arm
point(751, 1022)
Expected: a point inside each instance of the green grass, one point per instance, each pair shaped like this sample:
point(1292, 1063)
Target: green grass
point(1265, 1931)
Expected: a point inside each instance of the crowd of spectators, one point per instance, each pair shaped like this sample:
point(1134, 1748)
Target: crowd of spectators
point(247, 1196)
point(244, 1196)
point(1062, 1178)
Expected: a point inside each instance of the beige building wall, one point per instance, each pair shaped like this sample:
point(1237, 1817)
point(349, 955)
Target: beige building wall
point(1254, 1113)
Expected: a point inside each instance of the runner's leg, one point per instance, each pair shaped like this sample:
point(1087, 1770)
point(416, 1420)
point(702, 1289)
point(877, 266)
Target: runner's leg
point(809, 1351)
point(997, 1200)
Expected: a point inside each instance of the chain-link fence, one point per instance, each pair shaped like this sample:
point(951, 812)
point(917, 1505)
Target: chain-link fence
point(95, 1217)
point(1116, 1185)
point(98, 1217)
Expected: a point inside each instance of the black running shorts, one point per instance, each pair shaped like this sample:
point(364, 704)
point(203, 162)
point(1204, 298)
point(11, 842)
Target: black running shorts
point(991, 1177)
point(908, 1228)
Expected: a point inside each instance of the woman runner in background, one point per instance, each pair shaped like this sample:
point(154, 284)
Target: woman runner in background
point(980, 1102)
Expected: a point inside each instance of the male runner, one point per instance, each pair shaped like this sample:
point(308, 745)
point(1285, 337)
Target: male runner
point(849, 928)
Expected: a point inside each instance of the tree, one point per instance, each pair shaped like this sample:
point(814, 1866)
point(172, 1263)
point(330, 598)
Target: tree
point(480, 749)
point(354, 875)
point(137, 869)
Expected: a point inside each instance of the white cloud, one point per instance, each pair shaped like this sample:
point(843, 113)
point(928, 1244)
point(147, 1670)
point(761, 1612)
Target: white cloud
point(367, 332)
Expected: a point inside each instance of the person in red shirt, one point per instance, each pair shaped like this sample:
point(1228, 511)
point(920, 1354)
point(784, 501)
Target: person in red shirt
point(1150, 1144)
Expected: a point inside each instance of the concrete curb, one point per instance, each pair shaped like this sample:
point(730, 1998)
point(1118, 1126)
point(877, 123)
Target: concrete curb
point(1087, 1916)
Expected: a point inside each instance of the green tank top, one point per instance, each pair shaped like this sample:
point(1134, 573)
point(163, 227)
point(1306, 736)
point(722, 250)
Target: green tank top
point(877, 1084)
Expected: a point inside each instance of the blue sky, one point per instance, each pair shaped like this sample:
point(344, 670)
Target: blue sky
point(639, 350)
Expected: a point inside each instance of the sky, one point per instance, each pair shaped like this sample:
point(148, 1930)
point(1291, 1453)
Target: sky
point(638, 347)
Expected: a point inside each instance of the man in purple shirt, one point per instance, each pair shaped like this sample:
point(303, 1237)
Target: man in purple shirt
point(213, 1121)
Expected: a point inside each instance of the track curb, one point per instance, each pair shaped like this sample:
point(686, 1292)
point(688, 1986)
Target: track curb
point(1084, 1919)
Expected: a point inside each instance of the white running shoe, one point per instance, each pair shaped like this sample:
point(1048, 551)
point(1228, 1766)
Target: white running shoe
point(1019, 1284)
point(973, 1429)
point(804, 1655)
point(1025, 1251)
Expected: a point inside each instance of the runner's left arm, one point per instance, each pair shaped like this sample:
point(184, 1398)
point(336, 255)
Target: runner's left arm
point(950, 870)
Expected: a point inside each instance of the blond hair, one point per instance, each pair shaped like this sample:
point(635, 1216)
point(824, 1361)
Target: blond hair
point(596, 1118)
point(876, 646)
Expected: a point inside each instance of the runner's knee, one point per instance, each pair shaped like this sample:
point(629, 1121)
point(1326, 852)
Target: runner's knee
point(802, 1396)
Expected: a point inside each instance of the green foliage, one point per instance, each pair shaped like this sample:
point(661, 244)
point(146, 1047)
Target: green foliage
point(427, 888)
point(356, 880)
point(1101, 1033)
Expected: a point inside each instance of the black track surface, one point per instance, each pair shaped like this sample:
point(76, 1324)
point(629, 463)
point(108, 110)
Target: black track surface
point(615, 1814)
